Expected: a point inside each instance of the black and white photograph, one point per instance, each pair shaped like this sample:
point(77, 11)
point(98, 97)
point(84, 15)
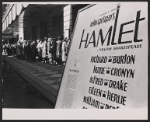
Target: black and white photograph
point(66, 60)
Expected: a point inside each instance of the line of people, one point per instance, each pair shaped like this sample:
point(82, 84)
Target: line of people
point(49, 50)
point(9, 49)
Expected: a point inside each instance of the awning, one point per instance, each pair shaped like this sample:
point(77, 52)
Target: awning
point(5, 37)
point(8, 31)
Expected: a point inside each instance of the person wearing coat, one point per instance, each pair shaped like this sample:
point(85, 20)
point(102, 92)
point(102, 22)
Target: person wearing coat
point(5, 48)
point(25, 49)
point(20, 53)
point(28, 50)
point(19, 49)
point(68, 45)
point(33, 51)
point(39, 49)
point(64, 50)
point(49, 47)
point(44, 50)
point(9, 49)
point(54, 51)
point(59, 51)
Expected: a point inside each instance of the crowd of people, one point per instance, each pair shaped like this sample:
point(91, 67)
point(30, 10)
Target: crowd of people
point(48, 50)
point(9, 49)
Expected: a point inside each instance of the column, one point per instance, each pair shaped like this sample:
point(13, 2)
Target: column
point(67, 20)
point(21, 25)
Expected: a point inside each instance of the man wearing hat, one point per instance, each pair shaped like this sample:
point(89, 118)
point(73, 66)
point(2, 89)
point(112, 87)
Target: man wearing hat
point(44, 50)
point(49, 47)
point(59, 51)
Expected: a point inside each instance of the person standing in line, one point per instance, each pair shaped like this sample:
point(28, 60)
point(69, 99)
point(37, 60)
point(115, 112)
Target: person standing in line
point(36, 51)
point(6, 45)
point(68, 45)
point(5, 49)
point(39, 49)
point(3, 52)
point(58, 51)
point(20, 47)
point(33, 50)
point(9, 49)
point(47, 50)
point(54, 51)
point(49, 47)
point(64, 51)
point(19, 50)
point(30, 54)
point(44, 50)
point(20, 40)
point(28, 50)
point(12, 48)
point(25, 49)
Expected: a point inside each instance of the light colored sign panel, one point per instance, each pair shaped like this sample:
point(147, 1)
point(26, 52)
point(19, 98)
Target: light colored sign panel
point(107, 65)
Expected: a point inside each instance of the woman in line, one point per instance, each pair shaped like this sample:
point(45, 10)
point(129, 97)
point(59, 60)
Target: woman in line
point(54, 51)
point(49, 47)
point(44, 50)
point(59, 51)
point(64, 50)
point(39, 49)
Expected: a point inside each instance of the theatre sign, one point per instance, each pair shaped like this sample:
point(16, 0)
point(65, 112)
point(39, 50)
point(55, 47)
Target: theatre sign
point(107, 66)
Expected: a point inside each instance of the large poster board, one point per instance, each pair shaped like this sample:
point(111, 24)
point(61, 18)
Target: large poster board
point(107, 66)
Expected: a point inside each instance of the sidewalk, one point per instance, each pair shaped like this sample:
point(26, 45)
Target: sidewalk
point(44, 77)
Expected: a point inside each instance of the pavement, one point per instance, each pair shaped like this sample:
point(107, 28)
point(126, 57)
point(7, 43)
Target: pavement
point(18, 93)
point(44, 77)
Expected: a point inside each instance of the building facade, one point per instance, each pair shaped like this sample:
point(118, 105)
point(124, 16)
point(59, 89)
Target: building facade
point(36, 21)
